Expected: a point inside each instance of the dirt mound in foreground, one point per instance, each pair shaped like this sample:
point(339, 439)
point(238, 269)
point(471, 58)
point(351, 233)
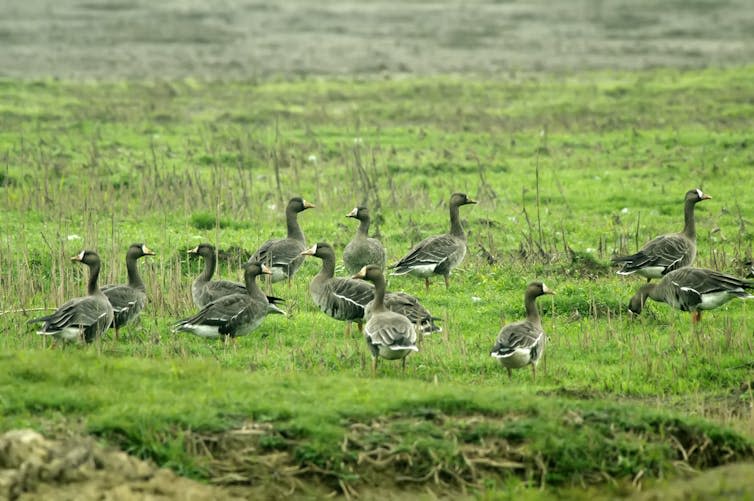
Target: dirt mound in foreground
point(33, 467)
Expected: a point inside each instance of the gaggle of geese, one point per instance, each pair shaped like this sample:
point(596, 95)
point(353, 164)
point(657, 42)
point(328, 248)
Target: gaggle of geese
point(392, 321)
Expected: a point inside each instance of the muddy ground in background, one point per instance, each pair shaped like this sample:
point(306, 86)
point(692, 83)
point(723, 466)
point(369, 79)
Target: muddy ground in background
point(250, 39)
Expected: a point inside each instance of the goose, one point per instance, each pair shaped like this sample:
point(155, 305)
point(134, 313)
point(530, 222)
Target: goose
point(388, 334)
point(350, 300)
point(204, 290)
point(283, 256)
point(439, 254)
point(362, 250)
point(231, 316)
point(668, 252)
point(694, 290)
point(340, 298)
point(410, 307)
point(522, 343)
point(82, 317)
point(128, 299)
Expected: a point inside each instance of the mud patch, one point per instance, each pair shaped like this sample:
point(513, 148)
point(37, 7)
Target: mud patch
point(33, 467)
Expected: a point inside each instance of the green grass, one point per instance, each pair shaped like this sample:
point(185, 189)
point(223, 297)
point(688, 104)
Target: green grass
point(568, 170)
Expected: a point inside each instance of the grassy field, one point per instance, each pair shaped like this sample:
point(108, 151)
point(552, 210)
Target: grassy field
point(568, 170)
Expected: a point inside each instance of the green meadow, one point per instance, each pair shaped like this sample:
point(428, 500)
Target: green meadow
point(568, 169)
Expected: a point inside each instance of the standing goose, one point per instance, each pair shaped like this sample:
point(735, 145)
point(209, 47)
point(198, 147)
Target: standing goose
point(668, 252)
point(350, 300)
point(83, 317)
point(340, 298)
point(389, 335)
point(234, 315)
point(522, 343)
point(283, 256)
point(694, 290)
point(128, 300)
point(204, 290)
point(362, 250)
point(439, 254)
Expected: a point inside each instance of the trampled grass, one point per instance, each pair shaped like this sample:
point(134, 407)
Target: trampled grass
point(568, 170)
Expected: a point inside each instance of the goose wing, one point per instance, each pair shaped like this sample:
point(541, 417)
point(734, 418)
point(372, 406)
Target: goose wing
point(280, 252)
point(220, 313)
point(687, 286)
point(432, 251)
point(669, 252)
point(345, 298)
point(78, 312)
point(410, 307)
point(523, 335)
point(127, 302)
point(391, 330)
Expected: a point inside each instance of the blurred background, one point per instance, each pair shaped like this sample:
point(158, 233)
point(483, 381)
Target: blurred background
point(262, 39)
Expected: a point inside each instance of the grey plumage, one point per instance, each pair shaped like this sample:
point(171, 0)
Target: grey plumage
point(668, 252)
point(340, 298)
point(204, 290)
point(388, 334)
point(350, 300)
point(363, 249)
point(234, 315)
point(410, 307)
point(128, 300)
point(437, 255)
point(694, 290)
point(83, 317)
point(523, 343)
point(283, 256)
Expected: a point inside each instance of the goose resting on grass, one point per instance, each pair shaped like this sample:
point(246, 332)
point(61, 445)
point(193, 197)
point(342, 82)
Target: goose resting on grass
point(204, 290)
point(83, 318)
point(128, 299)
point(439, 254)
point(234, 315)
point(694, 290)
point(283, 256)
point(363, 249)
point(389, 335)
point(668, 252)
point(522, 343)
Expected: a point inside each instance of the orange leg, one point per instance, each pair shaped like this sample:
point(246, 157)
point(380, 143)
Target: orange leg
point(696, 317)
point(447, 282)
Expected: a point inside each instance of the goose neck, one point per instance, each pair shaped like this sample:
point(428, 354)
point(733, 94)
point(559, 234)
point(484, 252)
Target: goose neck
point(379, 294)
point(689, 228)
point(291, 221)
point(92, 286)
point(455, 222)
point(134, 279)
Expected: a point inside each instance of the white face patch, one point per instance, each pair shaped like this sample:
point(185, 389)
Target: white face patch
point(80, 257)
point(699, 193)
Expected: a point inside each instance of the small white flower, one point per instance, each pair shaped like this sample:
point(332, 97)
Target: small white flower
point(624, 210)
point(357, 140)
point(589, 249)
point(312, 159)
point(476, 299)
point(73, 237)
